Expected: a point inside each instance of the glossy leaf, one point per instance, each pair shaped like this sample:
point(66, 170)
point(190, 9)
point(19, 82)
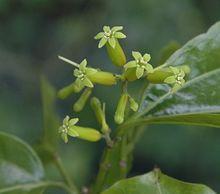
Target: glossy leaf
point(19, 167)
point(201, 93)
point(156, 183)
point(209, 120)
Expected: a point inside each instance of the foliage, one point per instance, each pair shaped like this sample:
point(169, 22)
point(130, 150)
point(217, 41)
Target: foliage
point(185, 89)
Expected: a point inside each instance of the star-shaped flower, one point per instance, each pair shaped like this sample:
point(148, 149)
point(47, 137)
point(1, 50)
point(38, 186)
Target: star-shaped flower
point(82, 74)
point(140, 63)
point(177, 79)
point(67, 128)
point(109, 35)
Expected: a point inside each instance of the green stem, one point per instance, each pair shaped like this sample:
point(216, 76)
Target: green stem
point(64, 174)
point(116, 161)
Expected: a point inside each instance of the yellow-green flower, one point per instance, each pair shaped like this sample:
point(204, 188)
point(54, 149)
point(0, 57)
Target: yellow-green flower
point(140, 63)
point(82, 74)
point(177, 79)
point(66, 129)
point(110, 35)
point(69, 128)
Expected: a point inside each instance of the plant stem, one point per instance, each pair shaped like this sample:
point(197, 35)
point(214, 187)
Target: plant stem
point(64, 174)
point(116, 161)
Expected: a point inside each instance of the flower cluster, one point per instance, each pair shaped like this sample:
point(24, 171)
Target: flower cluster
point(87, 77)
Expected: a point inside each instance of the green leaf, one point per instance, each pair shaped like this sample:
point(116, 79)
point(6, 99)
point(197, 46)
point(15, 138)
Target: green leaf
point(200, 95)
point(51, 121)
point(156, 183)
point(19, 166)
point(209, 120)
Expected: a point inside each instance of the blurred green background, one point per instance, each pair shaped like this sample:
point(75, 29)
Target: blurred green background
point(34, 32)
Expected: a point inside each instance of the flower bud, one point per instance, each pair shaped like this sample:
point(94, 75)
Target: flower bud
point(86, 133)
point(80, 103)
point(69, 89)
point(100, 113)
point(116, 54)
point(185, 68)
point(120, 110)
point(103, 78)
point(158, 76)
point(133, 104)
point(130, 74)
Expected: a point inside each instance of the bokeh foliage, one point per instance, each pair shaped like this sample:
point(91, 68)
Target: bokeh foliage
point(34, 32)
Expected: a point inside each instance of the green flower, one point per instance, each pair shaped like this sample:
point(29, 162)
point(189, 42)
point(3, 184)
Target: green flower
point(66, 129)
point(110, 35)
point(82, 74)
point(140, 63)
point(177, 79)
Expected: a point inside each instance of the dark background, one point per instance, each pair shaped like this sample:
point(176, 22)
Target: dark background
point(34, 32)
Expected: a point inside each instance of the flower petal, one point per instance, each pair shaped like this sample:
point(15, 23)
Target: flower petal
point(174, 70)
point(119, 35)
point(106, 28)
point(66, 120)
point(170, 80)
point(117, 28)
point(147, 57)
point(76, 73)
point(176, 87)
point(136, 55)
point(130, 64)
point(183, 82)
point(73, 133)
point(182, 73)
point(112, 42)
point(73, 121)
point(88, 83)
point(79, 83)
point(102, 42)
point(82, 65)
point(139, 72)
point(64, 137)
point(60, 130)
point(99, 35)
point(149, 68)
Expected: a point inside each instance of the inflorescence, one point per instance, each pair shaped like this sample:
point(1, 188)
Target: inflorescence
point(87, 77)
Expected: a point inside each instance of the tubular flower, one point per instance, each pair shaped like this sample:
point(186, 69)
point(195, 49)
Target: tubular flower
point(82, 74)
point(140, 64)
point(69, 128)
point(177, 79)
point(66, 129)
point(110, 35)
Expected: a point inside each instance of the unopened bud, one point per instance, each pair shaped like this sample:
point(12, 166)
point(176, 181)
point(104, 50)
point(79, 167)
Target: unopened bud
point(100, 114)
point(80, 103)
point(103, 78)
point(86, 133)
point(120, 111)
point(133, 104)
point(116, 54)
point(130, 74)
point(69, 89)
